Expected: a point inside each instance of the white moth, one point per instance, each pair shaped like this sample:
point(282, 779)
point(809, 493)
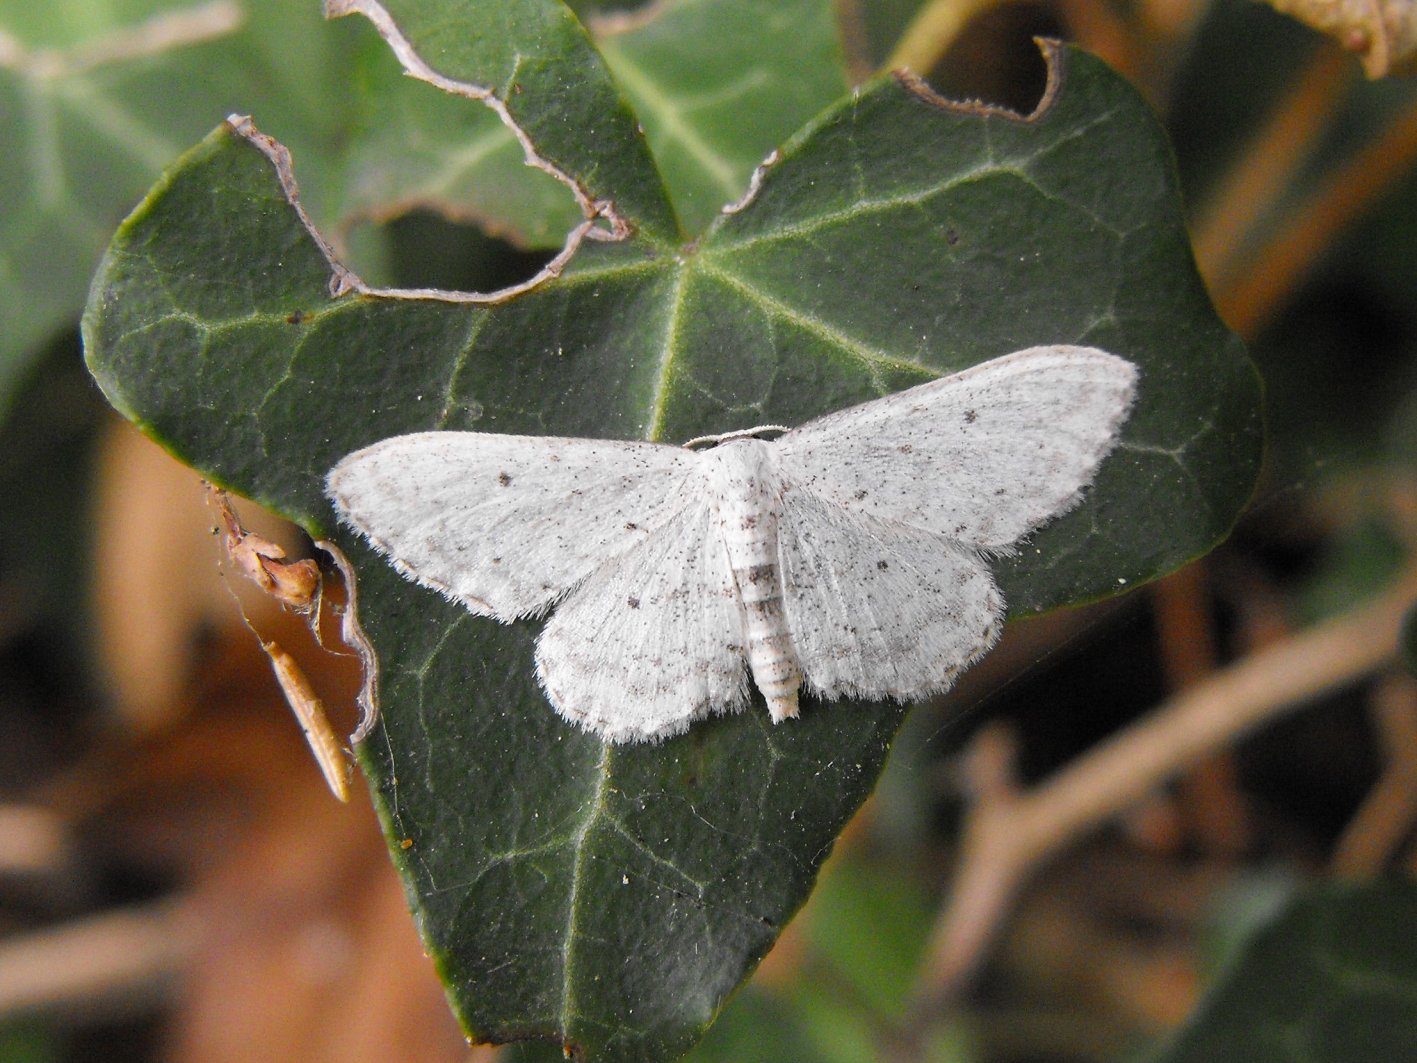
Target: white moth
point(848, 554)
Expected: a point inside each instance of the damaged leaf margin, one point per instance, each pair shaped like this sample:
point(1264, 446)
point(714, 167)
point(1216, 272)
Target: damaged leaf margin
point(355, 638)
point(593, 210)
point(344, 280)
point(918, 87)
point(296, 585)
point(755, 183)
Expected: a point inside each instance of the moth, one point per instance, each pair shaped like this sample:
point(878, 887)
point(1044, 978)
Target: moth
point(849, 555)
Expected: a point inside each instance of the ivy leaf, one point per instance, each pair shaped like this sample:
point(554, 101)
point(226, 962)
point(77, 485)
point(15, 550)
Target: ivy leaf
point(95, 100)
point(611, 897)
point(1332, 979)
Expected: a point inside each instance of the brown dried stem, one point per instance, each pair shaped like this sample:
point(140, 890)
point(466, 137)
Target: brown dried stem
point(1101, 28)
point(1209, 793)
point(1386, 818)
point(1009, 832)
point(97, 963)
point(1226, 221)
point(1266, 278)
point(934, 28)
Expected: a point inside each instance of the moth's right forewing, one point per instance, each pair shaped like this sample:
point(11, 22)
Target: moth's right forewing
point(982, 457)
point(506, 524)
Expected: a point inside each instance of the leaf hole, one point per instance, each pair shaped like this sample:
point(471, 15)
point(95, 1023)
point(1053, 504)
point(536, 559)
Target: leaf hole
point(995, 58)
point(424, 249)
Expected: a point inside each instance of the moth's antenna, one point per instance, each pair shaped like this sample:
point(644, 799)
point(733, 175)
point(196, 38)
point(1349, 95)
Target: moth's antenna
point(728, 437)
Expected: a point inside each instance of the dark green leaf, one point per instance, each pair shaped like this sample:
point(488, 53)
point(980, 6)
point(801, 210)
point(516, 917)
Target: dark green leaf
point(1333, 979)
point(899, 239)
point(613, 896)
point(755, 1028)
point(871, 925)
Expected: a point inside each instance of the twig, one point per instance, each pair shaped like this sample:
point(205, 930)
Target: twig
point(1226, 220)
point(1101, 28)
point(1386, 818)
point(1188, 653)
point(95, 963)
point(854, 37)
point(1211, 811)
point(1276, 269)
point(934, 28)
point(1008, 832)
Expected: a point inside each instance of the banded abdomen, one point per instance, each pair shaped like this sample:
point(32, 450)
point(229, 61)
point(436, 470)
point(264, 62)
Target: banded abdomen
point(745, 492)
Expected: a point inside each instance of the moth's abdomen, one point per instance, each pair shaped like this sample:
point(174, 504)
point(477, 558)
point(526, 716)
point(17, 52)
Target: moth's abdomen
point(745, 493)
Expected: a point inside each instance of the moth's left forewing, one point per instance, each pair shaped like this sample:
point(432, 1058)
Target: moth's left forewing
point(506, 524)
point(981, 457)
point(653, 640)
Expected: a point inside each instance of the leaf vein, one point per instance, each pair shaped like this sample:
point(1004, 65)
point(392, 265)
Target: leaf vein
point(645, 850)
point(874, 357)
point(671, 124)
point(666, 359)
point(595, 810)
point(864, 208)
point(479, 323)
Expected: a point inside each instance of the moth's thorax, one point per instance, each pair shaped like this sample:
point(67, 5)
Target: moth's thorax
point(745, 491)
point(744, 488)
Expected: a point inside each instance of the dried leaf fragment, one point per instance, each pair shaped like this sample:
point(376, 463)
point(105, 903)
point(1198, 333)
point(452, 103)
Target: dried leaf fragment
point(295, 584)
point(1382, 32)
